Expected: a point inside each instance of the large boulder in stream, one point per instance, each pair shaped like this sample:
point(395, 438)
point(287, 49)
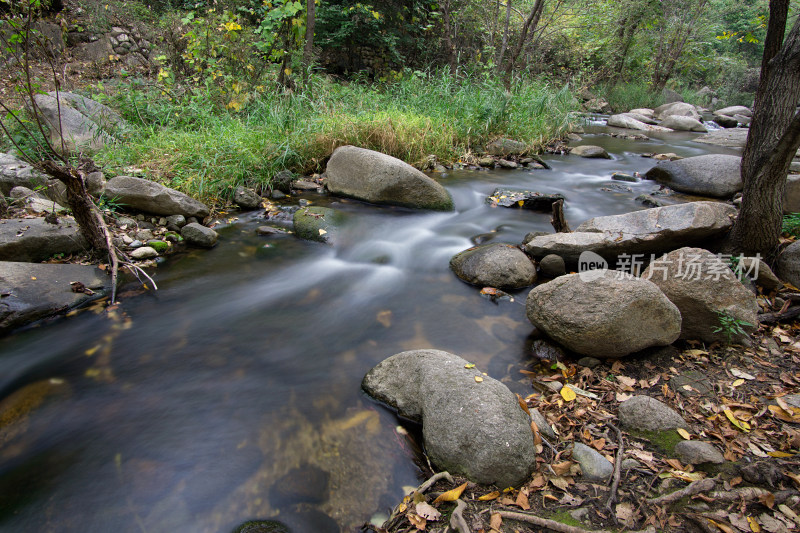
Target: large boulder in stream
point(681, 109)
point(675, 122)
point(151, 197)
point(628, 121)
point(498, 265)
point(705, 290)
point(83, 123)
point(640, 232)
point(471, 424)
point(714, 175)
point(382, 179)
point(605, 314)
point(735, 110)
point(34, 291)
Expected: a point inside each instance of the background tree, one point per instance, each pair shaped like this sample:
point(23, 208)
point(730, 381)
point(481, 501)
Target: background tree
point(773, 138)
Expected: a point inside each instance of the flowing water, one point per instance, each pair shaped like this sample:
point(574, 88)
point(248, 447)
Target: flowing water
point(184, 410)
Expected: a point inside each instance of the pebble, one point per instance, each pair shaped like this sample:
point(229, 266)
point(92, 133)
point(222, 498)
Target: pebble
point(544, 427)
point(646, 413)
point(695, 452)
point(594, 466)
point(589, 362)
point(144, 252)
point(135, 244)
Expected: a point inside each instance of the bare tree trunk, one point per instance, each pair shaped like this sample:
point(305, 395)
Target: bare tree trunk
point(452, 59)
point(529, 25)
point(665, 60)
point(772, 140)
point(504, 44)
point(308, 50)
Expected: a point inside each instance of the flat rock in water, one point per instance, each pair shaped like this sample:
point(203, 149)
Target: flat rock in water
point(609, 315)
point(702, 286)
point(696, 452)
point(594, 467)
point(33, 239)
point(674, 122)
point(729, 138)
point(535, 201)
point(498, 265)
point(382, 179)
point(471, 424)
point(319, 224)
point(590, 151)
point(648, 414)
point(151, 197)
point(735, 110)
point(638, 232)
point(714, 175)
point(29, 292)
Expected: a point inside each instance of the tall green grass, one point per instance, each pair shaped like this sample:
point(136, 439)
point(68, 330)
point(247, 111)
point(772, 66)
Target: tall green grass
point(623, 97)
point(188, 143)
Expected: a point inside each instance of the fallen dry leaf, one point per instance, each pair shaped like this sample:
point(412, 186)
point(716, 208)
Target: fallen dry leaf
point(427, 511)
point(491, 496)
point(451, 495)
point(568, 394)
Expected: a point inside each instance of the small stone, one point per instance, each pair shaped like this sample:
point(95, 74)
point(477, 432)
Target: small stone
point(695, 452)
point(691, 383)
point(594, 466)
point(144, 235)
point(162, 221)
point(126, 221)
point(144, 252)
point(277, 195)
point(647, 200)
point(649, 414)
point(552, 266)
point(589, 362)
point(303, 202)
point(126, 239)
point(629, 464)
point(269, 230)
point(504, 163)
point(199, 235)
point(136, 243)
point(590, 151)
point(544, 427)
point(620, 176)
point(581, 514)
point(246, 198)
point(486, 161)
point(175, 222)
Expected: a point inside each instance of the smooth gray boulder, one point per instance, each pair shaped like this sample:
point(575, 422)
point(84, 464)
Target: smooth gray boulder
point(199, 235)
point(594, 467)
point(644, 111)
point(144, 252)
point(552, 266)
point(609, 316)
point(762, 275)
point(788, 265)
point(702, 286)
point(33, 239)
point(84, 124)
point(590, 151)
point(681, 109)
point(33, 291)
point(503, 147)
point(319, 224)
point(503, 266)
point(17, 173)
point(471, 424)
point(640, 232)
point(714, 175)
point(675, 122)
point(696, 452)
point(735, 110)
point(246, 198)
point(626, 120)
point(382, 179)
point(647, 119)
point(648, 414)
point(151, 197)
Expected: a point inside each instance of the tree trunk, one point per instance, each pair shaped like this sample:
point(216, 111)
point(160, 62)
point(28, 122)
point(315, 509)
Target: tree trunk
point(772, 140)
point(530, 24)
point(452, 59)
point(504, 45)
point(308, 51)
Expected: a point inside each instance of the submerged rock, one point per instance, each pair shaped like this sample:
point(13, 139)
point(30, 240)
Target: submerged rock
point(535, 201)
point(317, 223)
point(503, 266)
point(382, 179)
point(261, 526)
point(703, 287)
point(714, 175)
point(610, 315)
point(471, 424)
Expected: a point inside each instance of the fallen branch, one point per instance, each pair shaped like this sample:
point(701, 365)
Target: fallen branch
point(772, 318)
point(457, 520)
point(612, 497)
point(558, 526)
point(433, 479)
point(112, 254)
point(693, 488)
point(750, 493)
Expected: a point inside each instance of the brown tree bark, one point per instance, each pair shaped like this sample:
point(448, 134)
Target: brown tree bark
point(452, 59)
point(529, 25)
point(308, 50)
point(772, 140)
point(504, 45)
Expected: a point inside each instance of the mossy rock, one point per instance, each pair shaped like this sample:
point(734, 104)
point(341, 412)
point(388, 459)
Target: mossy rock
point(262, 526)
point(317, 223)
point(158, 246)
point(664, 440)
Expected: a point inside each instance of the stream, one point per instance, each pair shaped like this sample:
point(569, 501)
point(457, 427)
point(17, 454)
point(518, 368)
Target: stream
point(233, 392)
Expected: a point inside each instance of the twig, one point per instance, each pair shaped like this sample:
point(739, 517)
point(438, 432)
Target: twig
point(136, 270)
point(543, 522)
point(749, 493)
point(693, 488)
point(772, 318)
point(612, 497)
point(112, 254)
point(433, 479)
point(457, 520)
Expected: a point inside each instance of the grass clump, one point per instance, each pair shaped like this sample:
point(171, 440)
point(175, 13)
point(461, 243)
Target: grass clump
point(791, 225)
point(626, 96)
point(189, 143)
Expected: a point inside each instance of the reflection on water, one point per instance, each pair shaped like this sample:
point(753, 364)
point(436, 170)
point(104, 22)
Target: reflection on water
point(183, 410)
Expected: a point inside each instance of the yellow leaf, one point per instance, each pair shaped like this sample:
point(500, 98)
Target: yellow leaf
point(451, 495)
point(737, 383)
point(491, 496)
point(33, 278)
point(568, 394)
point(780, 454)
point(744, 426)
point(754, 527)
point(469, 365)
point(695, 353)
point(478, 379)
point(322, 231)
point(685, 434)
point(521, 202)
point(288, 71)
